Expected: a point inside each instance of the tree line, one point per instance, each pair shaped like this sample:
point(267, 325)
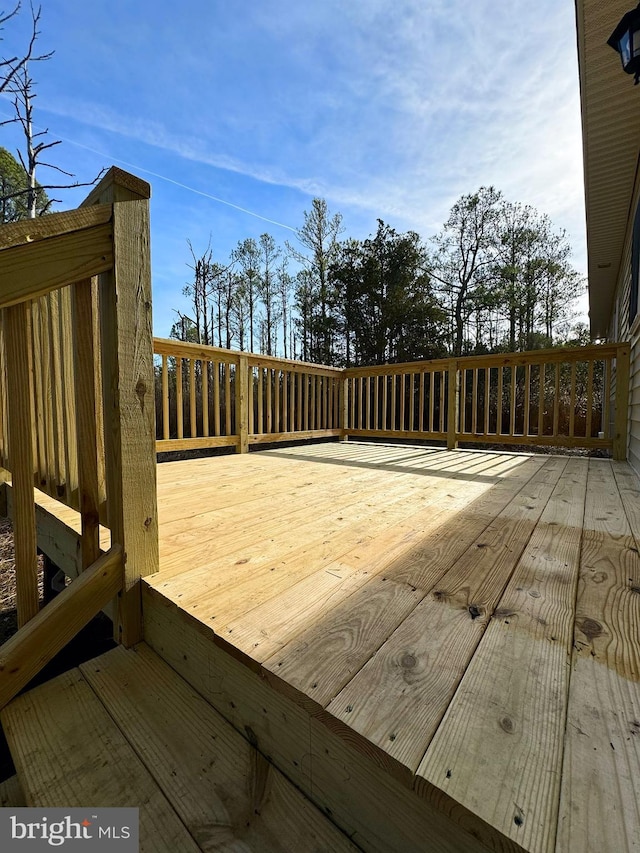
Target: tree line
point(497, 277)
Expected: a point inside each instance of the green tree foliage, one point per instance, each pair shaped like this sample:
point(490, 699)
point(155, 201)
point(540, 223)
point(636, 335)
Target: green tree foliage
point(497, 277)
point(504, 276)
point(14, 190)
point(319, 237)
point(388, 306)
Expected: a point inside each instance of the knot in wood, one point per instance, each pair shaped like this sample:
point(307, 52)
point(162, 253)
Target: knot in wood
point(590, 628)
point(506, 724)
point(408, 661)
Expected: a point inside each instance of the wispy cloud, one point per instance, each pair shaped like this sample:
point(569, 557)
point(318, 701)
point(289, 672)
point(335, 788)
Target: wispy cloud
point(390, 107)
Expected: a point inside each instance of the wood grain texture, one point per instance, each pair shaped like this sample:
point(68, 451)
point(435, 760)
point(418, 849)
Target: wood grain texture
point(398, 698)
point(87, 428)
point(19, 365)
point(509, 711)
point(221, 788)
point(129, 408)
point(599, 807)
point(28, 232)
point(374, 810)
point(45, 727)
point(37, 268)
point(25, 653)
point(11, 794)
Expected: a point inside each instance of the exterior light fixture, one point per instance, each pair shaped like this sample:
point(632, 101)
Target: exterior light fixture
point(625, 39)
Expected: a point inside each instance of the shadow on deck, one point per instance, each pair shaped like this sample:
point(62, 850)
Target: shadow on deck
point(428, 650)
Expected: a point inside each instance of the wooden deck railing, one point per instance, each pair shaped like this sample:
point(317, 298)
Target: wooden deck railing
point(557, 397)
point(76, 402)
point(78, 414)
point(213, 397)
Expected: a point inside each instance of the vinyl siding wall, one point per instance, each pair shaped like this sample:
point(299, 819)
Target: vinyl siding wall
point(619, 331)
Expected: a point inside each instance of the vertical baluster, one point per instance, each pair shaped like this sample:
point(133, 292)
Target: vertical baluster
point(487, 398)
point(86, 428)
point(463, 397)
point(606, 401)
point(276, 402)
point(165, 398)
point(292, 401)
point(394, 412)
point(412, 405)
point(179, 401)
point(19, 361)
point(500, 397)
point(205, 397)
point(216, 396)
point(227, 398)
point(474, 402)
point(260, 401)
point(541, 400)
point(527, 400)
point(432, 400)
point(443, 374)
point(285, 400)
point(268, 373)
point(589, 398)
point(300, 402)
point(512, 403)
point(572, 400)
point(421, 403)
point(385, 401)
point(556, 401)
point(192, 397)
point(251, 400)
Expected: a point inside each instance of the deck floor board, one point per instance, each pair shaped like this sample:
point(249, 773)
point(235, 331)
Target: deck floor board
point(469, 620)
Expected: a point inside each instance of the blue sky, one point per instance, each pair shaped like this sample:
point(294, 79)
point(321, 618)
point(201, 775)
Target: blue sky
point(386, 108)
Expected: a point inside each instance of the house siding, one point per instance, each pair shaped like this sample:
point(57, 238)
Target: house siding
point(619, 331)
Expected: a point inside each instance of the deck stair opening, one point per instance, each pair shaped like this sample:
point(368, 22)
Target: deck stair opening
point(125, 730)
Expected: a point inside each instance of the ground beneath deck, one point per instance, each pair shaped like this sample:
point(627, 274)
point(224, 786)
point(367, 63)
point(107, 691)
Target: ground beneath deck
point(470, 619)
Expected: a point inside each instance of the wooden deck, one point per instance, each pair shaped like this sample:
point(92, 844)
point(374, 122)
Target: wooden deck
point(469, 622)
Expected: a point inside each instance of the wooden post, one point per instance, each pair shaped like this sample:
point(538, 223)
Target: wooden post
point(621, 404)
point(129, 395)
point(242, 403)
point(453, 405)
point(20, 419)
point(344, 410)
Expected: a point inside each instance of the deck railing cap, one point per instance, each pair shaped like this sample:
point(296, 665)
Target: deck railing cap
point(118, 185)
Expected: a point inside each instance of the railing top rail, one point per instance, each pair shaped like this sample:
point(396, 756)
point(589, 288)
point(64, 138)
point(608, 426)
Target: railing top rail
point(546, 356)
point(41, 255)
point(171, 347)
point(30, 231)
point(183, 349)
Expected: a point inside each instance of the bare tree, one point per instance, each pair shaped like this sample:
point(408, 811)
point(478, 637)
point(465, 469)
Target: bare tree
point(19, 83)
point(10, 66)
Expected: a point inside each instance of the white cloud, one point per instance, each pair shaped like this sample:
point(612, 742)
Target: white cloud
point(395, 108)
